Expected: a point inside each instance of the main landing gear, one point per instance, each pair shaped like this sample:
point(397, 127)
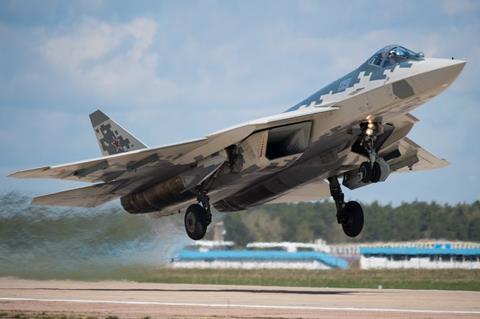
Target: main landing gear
point(198, 216)
point(350, 214)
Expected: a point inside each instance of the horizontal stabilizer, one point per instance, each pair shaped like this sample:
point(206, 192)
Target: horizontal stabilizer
point(90, 196)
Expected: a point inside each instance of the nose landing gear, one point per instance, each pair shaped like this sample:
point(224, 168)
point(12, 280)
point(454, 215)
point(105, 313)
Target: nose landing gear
point(371, 172)
point(350, 214)
point(373, 135)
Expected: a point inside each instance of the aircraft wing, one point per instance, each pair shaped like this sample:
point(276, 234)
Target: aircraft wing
point(112, 167)
point(415, 158)
point(162, 159)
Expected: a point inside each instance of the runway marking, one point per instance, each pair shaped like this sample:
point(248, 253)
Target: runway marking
point(217, 305)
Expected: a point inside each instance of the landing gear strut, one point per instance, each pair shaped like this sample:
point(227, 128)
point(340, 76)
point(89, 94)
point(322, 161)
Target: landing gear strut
point(371, 170)
point(198, 216)
point(349, 215)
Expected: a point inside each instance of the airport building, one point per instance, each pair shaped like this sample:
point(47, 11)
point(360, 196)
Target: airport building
point(286, 255)
point(427, 255)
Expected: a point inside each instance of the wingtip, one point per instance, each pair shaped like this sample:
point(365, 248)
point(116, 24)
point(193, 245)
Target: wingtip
point(28, 173)
point(12, 175)
point(17, 174)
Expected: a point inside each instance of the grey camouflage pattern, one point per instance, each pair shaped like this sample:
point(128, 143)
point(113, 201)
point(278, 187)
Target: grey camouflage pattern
point(372, 72)
point(112, 142)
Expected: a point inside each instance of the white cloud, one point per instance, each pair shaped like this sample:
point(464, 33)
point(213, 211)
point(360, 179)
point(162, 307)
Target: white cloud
point(89, 43)
point(112, 60)
point(454, 7)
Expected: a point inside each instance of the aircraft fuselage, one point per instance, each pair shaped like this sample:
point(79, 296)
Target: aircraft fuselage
point(369, 92)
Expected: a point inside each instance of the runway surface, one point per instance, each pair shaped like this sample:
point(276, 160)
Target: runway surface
point(138, 300)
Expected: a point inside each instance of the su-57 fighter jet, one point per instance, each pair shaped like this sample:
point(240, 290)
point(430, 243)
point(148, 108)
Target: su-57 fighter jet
point(354, 128)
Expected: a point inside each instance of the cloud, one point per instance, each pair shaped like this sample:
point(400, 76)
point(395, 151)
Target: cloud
point(114, 61)
point(455, 7)
point(175, 71)
point(90, 42)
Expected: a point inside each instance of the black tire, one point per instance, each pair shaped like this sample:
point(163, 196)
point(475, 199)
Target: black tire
point(376, 172)
point(353, 224)
point(196, 222)
point(366, 171)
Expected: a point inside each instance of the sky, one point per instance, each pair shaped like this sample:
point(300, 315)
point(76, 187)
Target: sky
point(175, 70)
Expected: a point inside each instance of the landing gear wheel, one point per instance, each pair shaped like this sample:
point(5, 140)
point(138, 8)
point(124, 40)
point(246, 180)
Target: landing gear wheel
point(366, 171)
point(196, 221)
point(349, 215)
point(376, 172)
point(353, 222)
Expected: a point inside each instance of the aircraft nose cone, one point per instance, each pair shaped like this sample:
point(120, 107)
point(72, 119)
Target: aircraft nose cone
point(435, 75)
point(438, 75)
point(449, 70)
point(456, 66)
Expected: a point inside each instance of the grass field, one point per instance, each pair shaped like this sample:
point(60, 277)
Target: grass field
point(457, 279)
point(353, 278)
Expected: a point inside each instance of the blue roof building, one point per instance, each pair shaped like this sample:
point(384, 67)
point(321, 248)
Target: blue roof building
point(257, 259)
point(440, 256)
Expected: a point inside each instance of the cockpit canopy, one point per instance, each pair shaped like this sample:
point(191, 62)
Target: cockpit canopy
point(393, 54)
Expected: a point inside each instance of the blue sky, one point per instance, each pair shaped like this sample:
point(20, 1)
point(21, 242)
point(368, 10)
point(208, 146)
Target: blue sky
point(171, 71)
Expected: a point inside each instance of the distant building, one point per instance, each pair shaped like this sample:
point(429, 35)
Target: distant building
point(349, 252)
point(285, 255)
point(319, 245)
point(426, 255)
point(207, 245)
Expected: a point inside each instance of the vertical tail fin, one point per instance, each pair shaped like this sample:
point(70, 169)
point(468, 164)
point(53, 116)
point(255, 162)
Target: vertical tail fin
point(111, 137)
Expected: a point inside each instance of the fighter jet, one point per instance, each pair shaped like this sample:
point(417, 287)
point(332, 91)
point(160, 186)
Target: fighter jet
point(354, 129)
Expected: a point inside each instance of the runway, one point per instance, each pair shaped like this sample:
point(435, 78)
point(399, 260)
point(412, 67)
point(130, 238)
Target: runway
point(138, 300)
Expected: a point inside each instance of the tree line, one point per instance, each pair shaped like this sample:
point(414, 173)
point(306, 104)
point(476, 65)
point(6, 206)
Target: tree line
point(305, 222)
point(302, 222)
